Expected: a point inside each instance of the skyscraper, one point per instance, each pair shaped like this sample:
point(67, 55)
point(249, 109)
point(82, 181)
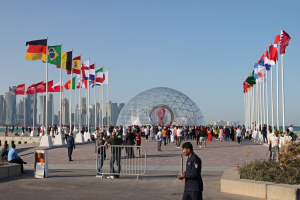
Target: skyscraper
point(20, 109)
point(112, 112)
point(42, 118)
point(12, 90)
point(83, 105)
point(121, 105)
point(65, 111)
point(9, 100)
point(29, 109)
point(92, 114)
point(49, 109)
point(1, 110)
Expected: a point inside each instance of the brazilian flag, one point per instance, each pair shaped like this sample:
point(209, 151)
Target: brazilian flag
point(54, 55)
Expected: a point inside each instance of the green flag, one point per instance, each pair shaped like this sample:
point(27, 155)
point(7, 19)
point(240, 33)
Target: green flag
point(251, 80)
point(54, 55)
point(74, 83)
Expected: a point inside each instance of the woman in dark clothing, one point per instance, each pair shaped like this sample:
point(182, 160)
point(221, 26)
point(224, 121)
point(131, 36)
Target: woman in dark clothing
point(232, 133)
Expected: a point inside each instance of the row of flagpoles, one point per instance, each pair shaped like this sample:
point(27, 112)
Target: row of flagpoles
point(255, 103)
point(88, 76)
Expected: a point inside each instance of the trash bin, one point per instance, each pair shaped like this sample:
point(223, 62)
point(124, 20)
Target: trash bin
point(41, 164)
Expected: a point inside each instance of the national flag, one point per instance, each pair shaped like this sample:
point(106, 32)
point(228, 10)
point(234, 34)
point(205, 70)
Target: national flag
point(92, 83)
point(267, 61)
point(20, 90)
point(250, 79)
point(105, 77)
point(39, 87)
point(83, 84)
point(99, 75)
point(66, 61)
point(274, 52)
point(31, 89)
point(256, 71)
point(71, 84)
point(49, 85)
point(77, 65)
point(54, 55)
point(92, 72)
point(284, 41)
point(57, 87)
point(261, 79)
point(36, 50)
point(85, 69)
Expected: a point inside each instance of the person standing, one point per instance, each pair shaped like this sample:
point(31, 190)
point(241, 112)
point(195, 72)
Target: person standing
point(159, 140)
point(193, 181)
point(151, 132)
point(243, 133)
point(101, 153)
point(216, 133)
point(129, 140)
point(221, 133)
point(209, 133)
point(115, 154)
point(227, 133)
point(165, 135)
point(146, 129)
point(238, 135)
point(232, 133)
point(179, 135)
point(70, 145)
point(138, 143)
point(264, 133)
point(172, 134)
point(203, 136)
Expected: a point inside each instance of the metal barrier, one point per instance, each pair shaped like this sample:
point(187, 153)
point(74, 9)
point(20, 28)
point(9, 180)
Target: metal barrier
point(121, 160)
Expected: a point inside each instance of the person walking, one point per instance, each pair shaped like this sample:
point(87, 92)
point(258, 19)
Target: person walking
point(243, 133)
point(264, 133)
point(129, 140)
point(146, 132)
point(138, 143)
point(232, 133)
point(193, 180)
point(172, 134)
point(165, 135)
point(238, 135)
point(70, 145)
point(216, 133)
point(203, 136)
point(221, 133)
point(159, 140)
point(179, 135)
point(101, 153)
point(209, 133)
point(227, 133)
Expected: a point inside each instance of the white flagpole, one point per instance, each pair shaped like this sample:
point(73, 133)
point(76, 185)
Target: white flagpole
point(47, 89)
point(75, 105)
point(108, 98)
point(283, 104)
point(257, 106)
point(80, 109)
point(277, 96)
point(34, 105)
point(88, 85)
point(24, 111)
point(267, 101)
point(102, 105)
point(252, 109)
point(245, 100)
point(249, 104)
point(60, 95)
point(264, 111)
point(245, 106)
point(53, 107)
point(95, 98)
point(260, 98)
point(71, 95)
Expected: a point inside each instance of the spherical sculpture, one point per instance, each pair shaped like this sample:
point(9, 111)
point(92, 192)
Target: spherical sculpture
point(160, 106)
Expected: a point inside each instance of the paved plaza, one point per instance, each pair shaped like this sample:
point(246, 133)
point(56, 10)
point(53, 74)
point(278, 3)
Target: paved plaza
point(78, 177)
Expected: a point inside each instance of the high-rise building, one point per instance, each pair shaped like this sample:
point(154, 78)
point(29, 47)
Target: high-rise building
point(65, 111)
point(12, 90)
point(56, 119)
point(1, 110)
point(49, 109)
point(112, 113)
point(58, 114)
point(9, 111)
point(20, 110)
point(76, 118)
point(83, 105)
point(42, 117)
point(121, 105)
point(92, 114)
point(29, 109)
point(97, 113)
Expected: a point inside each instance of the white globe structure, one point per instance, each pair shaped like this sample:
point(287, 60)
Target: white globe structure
point(160, 106)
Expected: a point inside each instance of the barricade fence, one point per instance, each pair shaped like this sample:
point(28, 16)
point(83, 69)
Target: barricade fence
point(117, 160)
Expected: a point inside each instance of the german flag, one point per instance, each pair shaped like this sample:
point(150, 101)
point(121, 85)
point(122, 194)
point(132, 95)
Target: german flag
point(37, 50)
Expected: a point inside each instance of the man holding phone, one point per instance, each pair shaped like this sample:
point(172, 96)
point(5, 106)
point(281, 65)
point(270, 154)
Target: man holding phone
point(193, 180)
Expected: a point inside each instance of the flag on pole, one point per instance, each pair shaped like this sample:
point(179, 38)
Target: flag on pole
point(66, 61)
point(105, 77)
point(57, 87)
point(39, 87)
point(284, 41)
point(68, 84)
point(20, 89)
point(92, 83)
point(36, 50)
point(76, 65)
point(274, 52)
point(99, 75)
point(92, 72)
point(85, 69)
point(83, 84)
point(250, 79)
point(54, 55)
point(31, 89)
point(267, 61)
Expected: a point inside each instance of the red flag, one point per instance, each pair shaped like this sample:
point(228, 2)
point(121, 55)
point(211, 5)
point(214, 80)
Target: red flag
point(31, 89)
point(55, 88)
point(83, 84)
point(267, 53)
point(20, 89)
point(50, 84)
point(39, 87)
point(284, 41)
point(67, 84)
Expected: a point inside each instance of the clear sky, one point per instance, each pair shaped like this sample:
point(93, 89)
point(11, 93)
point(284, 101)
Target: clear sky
point(205, 49)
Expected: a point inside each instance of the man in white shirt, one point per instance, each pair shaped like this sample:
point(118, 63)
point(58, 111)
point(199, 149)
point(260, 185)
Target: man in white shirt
point(159, 140)
point(179, 135)
point(291, 129)
point(274, 143)
point(151, 132)
point(146, 130)
point(173, 134)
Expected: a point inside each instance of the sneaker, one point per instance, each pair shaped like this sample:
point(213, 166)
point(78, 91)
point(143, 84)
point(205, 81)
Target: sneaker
point(204, 146)
point(111, 177)
point(99, 176)
point(137, 156)
point(178, 147)
point(200, 146)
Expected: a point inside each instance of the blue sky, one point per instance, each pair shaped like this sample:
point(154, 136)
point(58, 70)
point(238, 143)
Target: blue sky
point(205, 49)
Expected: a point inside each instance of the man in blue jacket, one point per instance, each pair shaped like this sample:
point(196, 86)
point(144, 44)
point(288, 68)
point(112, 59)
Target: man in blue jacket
point(70, 145)
point(193, 180)
point(227, 133)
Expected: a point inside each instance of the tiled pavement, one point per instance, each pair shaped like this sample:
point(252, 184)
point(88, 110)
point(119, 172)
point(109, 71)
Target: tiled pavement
point(216, 154)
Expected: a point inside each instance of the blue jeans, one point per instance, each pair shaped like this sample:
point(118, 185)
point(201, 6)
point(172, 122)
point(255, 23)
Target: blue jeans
point(117, 158)
point(227, 137)
point(158, 145)
point(168, 139)
point(100, 163)
point(275, 154)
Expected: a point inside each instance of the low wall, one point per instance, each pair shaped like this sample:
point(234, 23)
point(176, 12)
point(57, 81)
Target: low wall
point(19, 140)
point(9, 170)
point(231, 183)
